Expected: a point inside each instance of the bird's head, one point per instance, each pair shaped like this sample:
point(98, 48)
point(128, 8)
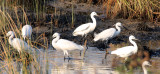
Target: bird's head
point(119, 24)
point(9, 33)
point(132, 37)
point(94, 14)
point(146, 63)
point(55, 35)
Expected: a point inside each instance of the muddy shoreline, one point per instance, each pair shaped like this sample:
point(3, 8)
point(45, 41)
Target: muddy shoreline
point(61, 22)
point(144, 31)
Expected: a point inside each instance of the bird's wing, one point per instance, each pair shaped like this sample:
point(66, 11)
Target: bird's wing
point(20, 44)
point(123, 51)
point(108, 33)
point(82, 27)
point(67, 45)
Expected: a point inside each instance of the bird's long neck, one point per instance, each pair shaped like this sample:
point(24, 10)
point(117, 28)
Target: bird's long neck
point(10, 39)
point(56, 39)
point(118, 28)
point(134, 44)
point(93, 19)
point(144, 69)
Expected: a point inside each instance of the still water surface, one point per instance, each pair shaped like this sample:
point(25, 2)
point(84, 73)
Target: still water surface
point(52, 62)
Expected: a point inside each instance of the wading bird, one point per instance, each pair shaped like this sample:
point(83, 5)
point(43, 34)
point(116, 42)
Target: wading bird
point(26, 31)
point(108, 33)
point(84, 29)
point(16, 42)
point(64, 45)
point(125, 52)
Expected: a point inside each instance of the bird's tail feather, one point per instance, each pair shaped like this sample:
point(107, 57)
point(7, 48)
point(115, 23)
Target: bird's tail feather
point(74, 34)
point(113, 52)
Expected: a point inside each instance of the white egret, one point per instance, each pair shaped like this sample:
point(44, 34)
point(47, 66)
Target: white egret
point(16, 42)
point(26, 31)
point(145, 63)
point(108, 33)
point(84, 29)
point(125, 52)
point(64, 45)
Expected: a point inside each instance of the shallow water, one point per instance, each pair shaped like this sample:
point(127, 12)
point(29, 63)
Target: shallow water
point(92, 64)
point(52, 62)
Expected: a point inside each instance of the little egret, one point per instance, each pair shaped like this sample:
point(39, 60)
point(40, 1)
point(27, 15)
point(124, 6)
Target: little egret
point(16, 42)
point(64, 45)
point(84, 29)
point(108, 33)
point(125, 52)
point(145, 63)
point(26, 31)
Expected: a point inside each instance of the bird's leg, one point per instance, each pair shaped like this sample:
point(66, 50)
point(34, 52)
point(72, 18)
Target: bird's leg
point(64, 55)
point(67, 55)
point(106, 43)
point(106, 54)
point(84, 51)
point(69, 58)
point(83, 39)
point(85, 36)
point(125, 59)
point(125, 64)
point(80, 52)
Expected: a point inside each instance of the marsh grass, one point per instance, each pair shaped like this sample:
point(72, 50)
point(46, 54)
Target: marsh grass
point(141, 9)
point(131, 9)
point(9, 56)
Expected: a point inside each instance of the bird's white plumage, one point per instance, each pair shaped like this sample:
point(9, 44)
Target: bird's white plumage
point(16, 42)
point(84, 29)
point(124, 51)
point(128, 50)
point(145, 63)
point(26, 31)
point(108, 33)
point(65, 45)
point(105, 35)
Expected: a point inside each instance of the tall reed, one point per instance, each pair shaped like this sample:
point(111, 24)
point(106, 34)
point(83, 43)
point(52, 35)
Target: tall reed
point(141, 9)
point(10, 55)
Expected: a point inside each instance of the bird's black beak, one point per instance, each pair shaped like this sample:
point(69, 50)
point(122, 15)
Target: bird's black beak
point(102, 17)
point(124, 27)
point(149, 65)
point(137, 40)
